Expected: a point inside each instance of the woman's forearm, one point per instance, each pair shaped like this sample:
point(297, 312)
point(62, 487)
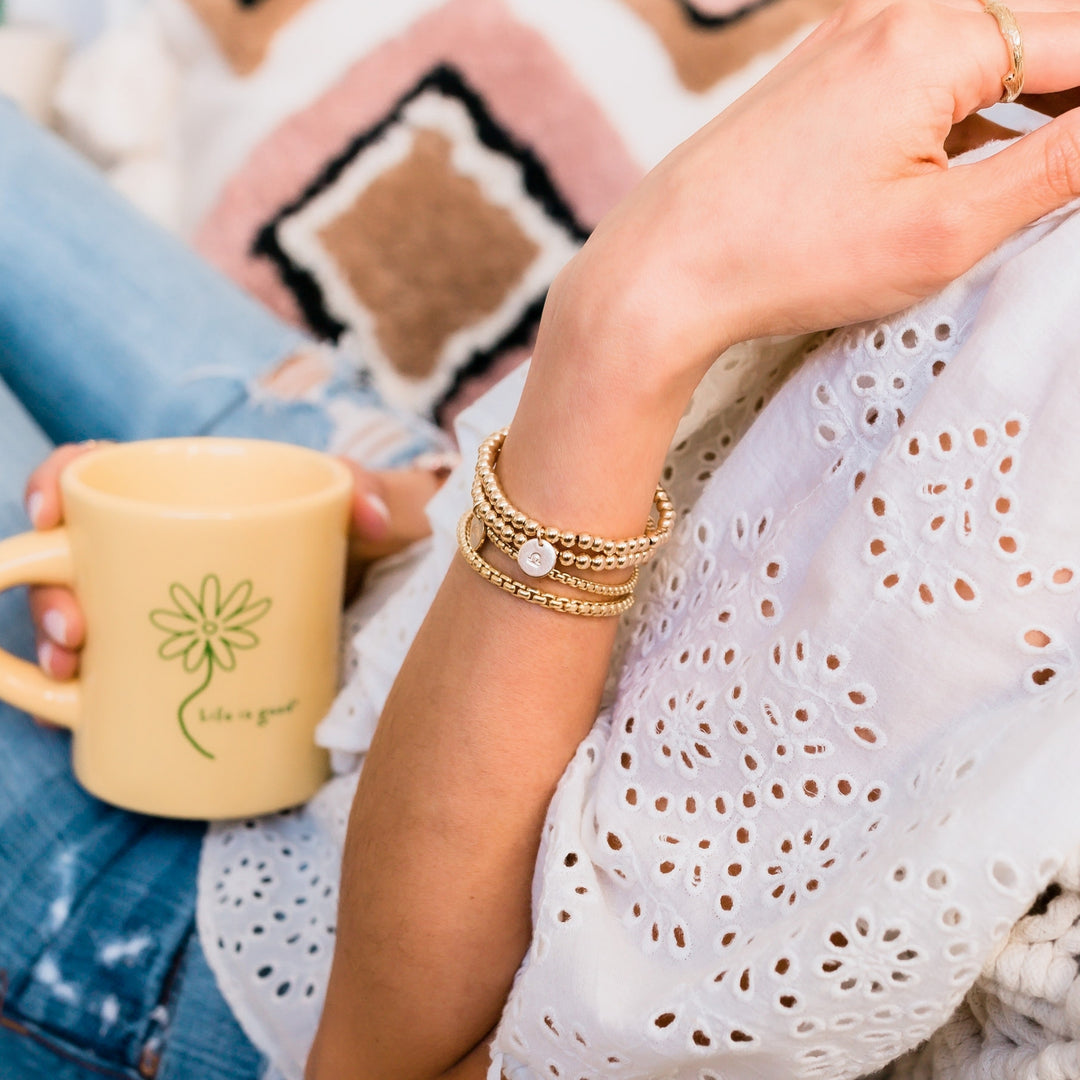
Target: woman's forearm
point(491, 702)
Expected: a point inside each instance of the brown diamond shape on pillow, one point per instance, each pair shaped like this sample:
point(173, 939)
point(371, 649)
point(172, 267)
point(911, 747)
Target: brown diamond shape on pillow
point(431, 238)
point(709, 39)
point(244, 29)
point(507, 161)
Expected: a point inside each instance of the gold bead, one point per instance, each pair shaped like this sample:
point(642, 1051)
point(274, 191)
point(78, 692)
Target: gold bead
point(507, 528)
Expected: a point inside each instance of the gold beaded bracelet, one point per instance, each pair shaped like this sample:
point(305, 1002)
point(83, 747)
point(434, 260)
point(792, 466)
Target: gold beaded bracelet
point(534, 546)
point(499, 528)
point(485, 473)
point(471, 539)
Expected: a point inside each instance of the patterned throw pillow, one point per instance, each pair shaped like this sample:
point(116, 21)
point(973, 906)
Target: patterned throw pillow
point(407, 179)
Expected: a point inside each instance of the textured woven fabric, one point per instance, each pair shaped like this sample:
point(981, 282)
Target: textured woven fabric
point(415, 190)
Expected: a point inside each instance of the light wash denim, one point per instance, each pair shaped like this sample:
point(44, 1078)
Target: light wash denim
point(110, 328)
point(101, 971)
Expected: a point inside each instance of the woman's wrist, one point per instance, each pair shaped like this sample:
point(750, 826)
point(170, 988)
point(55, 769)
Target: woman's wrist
point(631, 328)
point(596, 416)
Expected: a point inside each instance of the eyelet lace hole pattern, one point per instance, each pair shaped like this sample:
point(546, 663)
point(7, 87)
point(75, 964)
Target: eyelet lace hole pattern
point(798, 830)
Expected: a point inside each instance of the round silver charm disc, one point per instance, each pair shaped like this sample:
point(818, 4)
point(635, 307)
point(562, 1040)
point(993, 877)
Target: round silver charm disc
point(536, 557)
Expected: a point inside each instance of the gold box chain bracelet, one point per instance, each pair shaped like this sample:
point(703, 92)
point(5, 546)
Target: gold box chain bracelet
point(584, 584)
point(466, 538)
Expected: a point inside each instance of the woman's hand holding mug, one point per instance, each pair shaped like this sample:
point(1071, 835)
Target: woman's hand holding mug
point(209, 576)
point(387, 515)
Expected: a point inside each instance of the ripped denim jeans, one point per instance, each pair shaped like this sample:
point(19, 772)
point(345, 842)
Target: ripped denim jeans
point(101, 971)
point(111, 329)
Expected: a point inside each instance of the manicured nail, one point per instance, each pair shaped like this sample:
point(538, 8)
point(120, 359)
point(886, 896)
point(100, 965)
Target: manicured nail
point(46, 654)
point(440, 462)
point(55, 625)
point(378, 506)
point(33, 506)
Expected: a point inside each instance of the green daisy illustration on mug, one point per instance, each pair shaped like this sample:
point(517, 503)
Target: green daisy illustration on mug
point(206, 632)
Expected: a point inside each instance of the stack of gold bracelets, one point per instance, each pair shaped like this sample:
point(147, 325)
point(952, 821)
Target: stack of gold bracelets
point(540, 550)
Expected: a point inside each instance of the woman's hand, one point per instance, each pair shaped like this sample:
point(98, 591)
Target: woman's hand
point(387, 515)
point(823, 196)
point(55, 611)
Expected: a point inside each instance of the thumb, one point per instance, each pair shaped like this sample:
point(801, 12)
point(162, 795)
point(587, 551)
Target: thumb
point(1033, 176)
point(372, 520)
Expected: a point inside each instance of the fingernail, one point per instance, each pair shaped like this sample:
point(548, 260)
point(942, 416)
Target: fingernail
point(33, 506)
point(442, 463)
point(378, 506)
point(46, 653)
point(55, 625)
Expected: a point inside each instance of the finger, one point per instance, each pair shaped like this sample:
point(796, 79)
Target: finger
point(43, 488)
point(1033, 176)
point(58, 616)
point(954, 45)
point(372, 521)
point(57, 662)
point(1051, 46)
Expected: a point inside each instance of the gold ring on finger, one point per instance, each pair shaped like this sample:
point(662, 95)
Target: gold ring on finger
point(1013, 80)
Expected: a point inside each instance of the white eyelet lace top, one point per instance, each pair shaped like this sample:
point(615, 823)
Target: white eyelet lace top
point(837, 758)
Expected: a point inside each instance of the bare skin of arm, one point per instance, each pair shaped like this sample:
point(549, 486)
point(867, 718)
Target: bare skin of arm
point(496, 694)
point(423, 812)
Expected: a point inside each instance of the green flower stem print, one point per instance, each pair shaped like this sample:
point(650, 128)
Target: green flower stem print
point(205, 632)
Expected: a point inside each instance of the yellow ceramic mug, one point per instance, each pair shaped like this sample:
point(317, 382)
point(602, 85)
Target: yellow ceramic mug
point(210, 572)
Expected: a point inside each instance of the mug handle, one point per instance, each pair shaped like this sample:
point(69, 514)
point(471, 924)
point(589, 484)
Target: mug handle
point(37, 558)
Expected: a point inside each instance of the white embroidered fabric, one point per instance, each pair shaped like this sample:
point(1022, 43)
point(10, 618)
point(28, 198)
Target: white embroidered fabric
point(836, 761)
